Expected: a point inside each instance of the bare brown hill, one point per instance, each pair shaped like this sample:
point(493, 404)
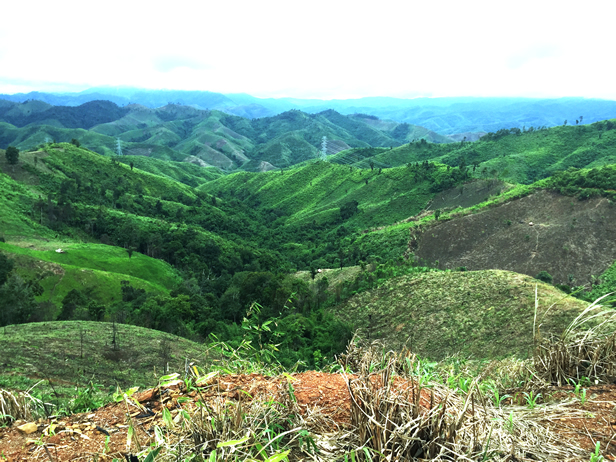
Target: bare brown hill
point(468, 194)
point(572, 240)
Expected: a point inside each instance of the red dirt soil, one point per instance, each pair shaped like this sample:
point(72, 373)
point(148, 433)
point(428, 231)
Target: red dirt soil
point(81, 436)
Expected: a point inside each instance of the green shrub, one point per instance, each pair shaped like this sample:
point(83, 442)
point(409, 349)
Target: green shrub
point(544, 276)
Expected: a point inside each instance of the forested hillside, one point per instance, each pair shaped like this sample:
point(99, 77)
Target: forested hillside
point(516, 155)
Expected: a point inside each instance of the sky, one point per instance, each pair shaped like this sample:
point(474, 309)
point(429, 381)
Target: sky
point(333, 49)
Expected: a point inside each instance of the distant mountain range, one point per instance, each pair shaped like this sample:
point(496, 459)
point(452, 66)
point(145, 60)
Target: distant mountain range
point(446, 116)
point(203, 137)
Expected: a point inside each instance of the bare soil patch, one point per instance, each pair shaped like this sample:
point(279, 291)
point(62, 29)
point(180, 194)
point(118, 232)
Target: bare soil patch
point(82, 436)
point(572, 240)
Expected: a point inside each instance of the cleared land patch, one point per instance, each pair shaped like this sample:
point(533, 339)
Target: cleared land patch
point(571, 239)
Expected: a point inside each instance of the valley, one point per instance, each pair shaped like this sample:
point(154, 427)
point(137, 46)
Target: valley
point(457, 270)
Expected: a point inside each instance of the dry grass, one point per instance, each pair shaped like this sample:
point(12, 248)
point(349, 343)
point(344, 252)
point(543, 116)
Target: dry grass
point(430, 420)
point(18, 406)
point(579, 353)
point(250, 429)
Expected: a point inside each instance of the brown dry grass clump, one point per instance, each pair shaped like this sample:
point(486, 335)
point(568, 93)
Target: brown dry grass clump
point(579, 354)
point(16, 405)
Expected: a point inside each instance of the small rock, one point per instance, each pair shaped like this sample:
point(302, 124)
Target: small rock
point(28, 428)
point(147, 395)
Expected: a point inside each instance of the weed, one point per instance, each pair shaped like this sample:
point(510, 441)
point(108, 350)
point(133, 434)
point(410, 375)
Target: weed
point(579, 392)
point(596, 456)
point(531, 399)
point(86, 399)
point(509, 425)
point(497, 399)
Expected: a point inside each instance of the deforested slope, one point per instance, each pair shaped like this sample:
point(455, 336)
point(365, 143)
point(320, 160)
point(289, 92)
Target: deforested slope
point(571, 239)
point(521, 156)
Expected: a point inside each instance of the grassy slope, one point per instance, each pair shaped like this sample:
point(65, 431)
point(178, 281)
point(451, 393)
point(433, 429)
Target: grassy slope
point(520, 158)
point(94, 268)
point(66, 158)
point(182, 172)
point(101, 258)
point(53, 350)
point(318, 190)
point(15, 204)
point(485, 314)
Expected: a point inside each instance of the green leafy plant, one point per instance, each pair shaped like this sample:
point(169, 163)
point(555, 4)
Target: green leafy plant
point(579, 392)
point(596, 456)
point(531, 399)
point(509, 424)
point(497, 399)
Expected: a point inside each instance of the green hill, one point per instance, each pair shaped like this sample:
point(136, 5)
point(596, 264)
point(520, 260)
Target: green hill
point(514, 155)
point(54, 350)
point(197, 248)
point(315, 193)
point(481, 314)
point(210, 138)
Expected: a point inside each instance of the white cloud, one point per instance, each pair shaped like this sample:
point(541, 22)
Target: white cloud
point(327, 49)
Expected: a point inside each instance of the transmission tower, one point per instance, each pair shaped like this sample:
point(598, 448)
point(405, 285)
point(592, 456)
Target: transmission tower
point(324, 148)
point(119, 147)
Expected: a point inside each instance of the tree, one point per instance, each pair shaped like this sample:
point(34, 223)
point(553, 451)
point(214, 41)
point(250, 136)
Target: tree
point(75, 142)
point(73, 300)
point(349, 209)
point(12, 155)
point(6, 266)
point(341, 256)
point(17, 302)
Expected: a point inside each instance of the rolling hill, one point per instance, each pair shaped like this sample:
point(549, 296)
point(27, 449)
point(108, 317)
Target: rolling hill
point(520, 156)
point(191, 240)
point(203, 137)
point(478, 314)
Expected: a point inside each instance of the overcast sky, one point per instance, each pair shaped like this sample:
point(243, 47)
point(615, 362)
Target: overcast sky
point(313, 49)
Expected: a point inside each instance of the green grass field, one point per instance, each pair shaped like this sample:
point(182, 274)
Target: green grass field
point(94, 269)
point(72, 354)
